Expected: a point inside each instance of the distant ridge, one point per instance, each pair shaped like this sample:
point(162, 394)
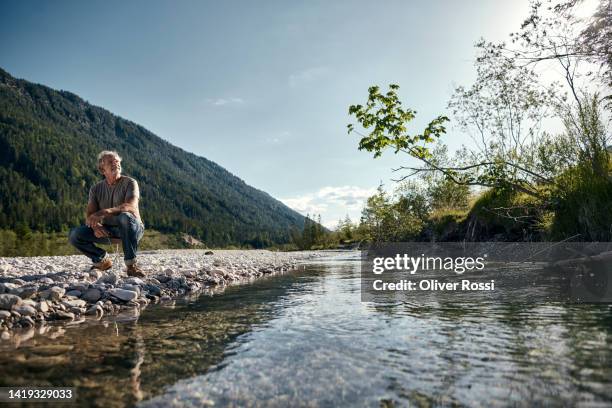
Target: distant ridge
point(48, 145)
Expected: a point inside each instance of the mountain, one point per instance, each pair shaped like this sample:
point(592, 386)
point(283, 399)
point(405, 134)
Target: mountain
point(49, 141)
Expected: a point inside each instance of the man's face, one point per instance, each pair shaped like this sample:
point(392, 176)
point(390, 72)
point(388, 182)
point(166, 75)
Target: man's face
point(111, 167)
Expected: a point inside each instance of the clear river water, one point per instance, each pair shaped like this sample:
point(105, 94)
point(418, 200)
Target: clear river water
point(306, 339)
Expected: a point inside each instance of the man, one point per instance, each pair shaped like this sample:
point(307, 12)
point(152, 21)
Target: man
point(112, 212)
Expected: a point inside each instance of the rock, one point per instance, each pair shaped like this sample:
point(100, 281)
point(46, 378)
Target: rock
point(134, 281)
point(27, 322)
point(49, 268)
point(123, 294)
point(92, 295)
point(61, 315)
point(219, 272)
point(25, 310)
point(153, 289)
point(168, 272)
point(7, 287)
point(4, 314)
point(19, 282)
point(208, 253)
point(7, 301)
point(133, 288)
point(54, 293)
point(163, 278)
point(81, 287)
point(95, 274)
point(95, 310)
point(190, 273)
point(27, 292)
point(74, 303)
point(75, 293)
point(42, 306)
point(109, 278)
point(5, 335)
point(46, 281)
point(5, 268)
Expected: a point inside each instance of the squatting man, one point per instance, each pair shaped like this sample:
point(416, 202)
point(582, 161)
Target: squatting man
point(112, 212)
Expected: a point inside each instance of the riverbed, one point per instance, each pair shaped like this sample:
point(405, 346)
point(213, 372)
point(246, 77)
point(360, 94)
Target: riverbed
point(305, 339)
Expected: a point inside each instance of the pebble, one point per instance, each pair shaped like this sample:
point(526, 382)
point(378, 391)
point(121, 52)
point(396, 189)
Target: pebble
point(25, 310)
point(42, 306)
point(123, 294)
point(92, 295)
point(70, 294)
point(7, 301)
point(62, 315)
point(109, 278)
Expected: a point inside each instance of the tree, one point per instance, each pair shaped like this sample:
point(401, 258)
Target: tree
point(496, 162)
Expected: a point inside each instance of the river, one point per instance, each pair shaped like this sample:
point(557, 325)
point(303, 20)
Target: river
point(306, 339)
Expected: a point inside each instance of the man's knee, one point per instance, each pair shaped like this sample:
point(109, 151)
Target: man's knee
point(73, 236)
point(125, 219)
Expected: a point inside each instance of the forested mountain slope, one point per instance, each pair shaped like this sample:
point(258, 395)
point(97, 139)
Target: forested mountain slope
point(49, 141)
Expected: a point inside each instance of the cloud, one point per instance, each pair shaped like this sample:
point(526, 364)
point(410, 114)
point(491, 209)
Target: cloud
point(277, 139)
point(306, 76)
point(332, 203)
point(225, 101)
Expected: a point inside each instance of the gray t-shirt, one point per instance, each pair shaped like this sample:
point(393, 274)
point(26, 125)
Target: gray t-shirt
point(106, 196)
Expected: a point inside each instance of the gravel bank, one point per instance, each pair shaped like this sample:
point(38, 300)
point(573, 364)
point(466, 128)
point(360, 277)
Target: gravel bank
point(37, 290)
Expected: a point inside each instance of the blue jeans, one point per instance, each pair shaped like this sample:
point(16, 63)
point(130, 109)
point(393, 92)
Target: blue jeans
point(130, 230)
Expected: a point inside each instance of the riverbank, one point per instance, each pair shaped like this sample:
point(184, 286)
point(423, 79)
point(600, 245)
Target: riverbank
point(38, 290)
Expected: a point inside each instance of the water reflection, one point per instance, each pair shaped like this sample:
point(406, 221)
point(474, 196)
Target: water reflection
point(306, 339)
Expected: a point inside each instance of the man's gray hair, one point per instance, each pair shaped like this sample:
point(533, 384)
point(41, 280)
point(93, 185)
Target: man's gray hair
point(104, 154)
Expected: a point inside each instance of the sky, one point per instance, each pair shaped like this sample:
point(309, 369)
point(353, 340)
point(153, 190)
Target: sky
point(261, 88)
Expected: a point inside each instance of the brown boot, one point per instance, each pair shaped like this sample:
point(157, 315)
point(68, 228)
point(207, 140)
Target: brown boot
point(103, 265)
point(134, 270)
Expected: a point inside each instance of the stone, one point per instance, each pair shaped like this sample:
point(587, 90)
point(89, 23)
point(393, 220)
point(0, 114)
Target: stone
point(42, 306)
point(190, 273)
point(75, 293)
point(61, 315)
point(109, 278)
point(95, 310)
point(163, 278)
point(134, 281)
point(133, 288)
point(208, 253)
point(153, 289)
point(4, 314)
point(46, 281)
point(25, 310)
point(95, 274)
point(26, 322)
point(74, 303)
point(168, 272)
point(123, 294)
point(7, 301)
point(5, 335)
point(54, 293)
point(92, 295)
point(49, 268)
point(7, 287)
point(27, 292)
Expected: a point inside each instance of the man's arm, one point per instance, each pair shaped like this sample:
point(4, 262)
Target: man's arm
point(99, 230)
point(130, 206)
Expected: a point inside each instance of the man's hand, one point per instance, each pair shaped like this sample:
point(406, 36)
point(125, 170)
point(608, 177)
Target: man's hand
point(94, 219)
point(100, 231)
